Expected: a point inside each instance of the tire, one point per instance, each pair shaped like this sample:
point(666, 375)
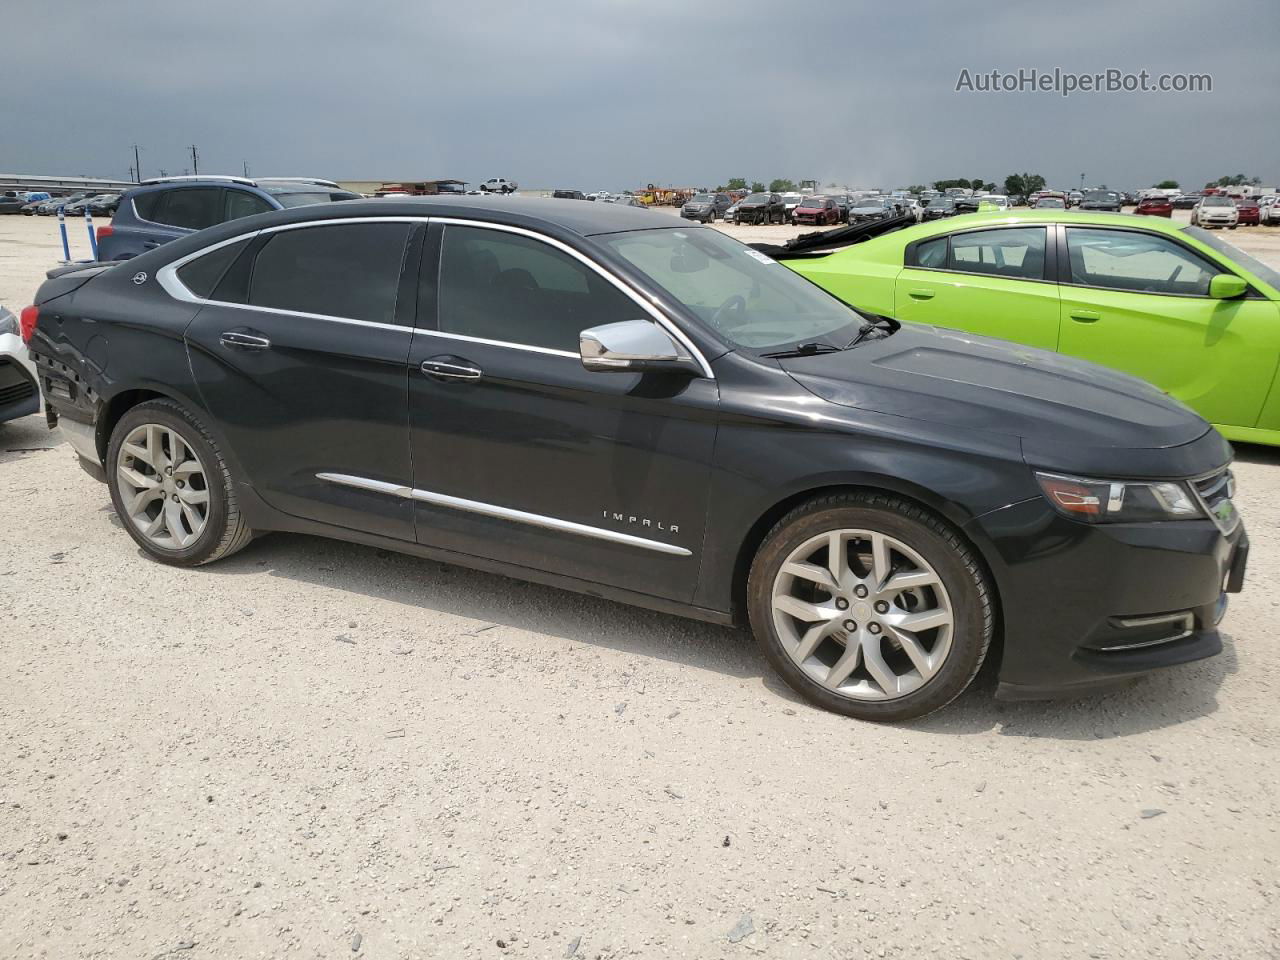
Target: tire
point(223, 532)
point(920, 545)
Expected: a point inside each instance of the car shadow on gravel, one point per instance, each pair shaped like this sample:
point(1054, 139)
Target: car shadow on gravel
point(495, 600)
point(1161, 699)
point(1256, 453)
point(1164, 699)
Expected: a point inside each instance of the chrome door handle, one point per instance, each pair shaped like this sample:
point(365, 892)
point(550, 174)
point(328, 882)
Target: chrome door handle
point(442, 370)
point(244, 341)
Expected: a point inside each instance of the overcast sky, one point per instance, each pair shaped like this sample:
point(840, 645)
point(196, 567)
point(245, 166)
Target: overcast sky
point(591, 95)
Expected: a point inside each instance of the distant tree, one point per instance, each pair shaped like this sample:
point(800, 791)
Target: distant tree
point(1015, 186)
point(1235, 180)
point(757, 186)
point(736, 183)
point(1167, 185)
point(945, 184)
point(916, 188)
point(1033, 182)
point(989, 187)
point(782, 185)
point(975, 184)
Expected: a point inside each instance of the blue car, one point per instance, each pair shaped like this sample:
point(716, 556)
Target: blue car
point(171, 207)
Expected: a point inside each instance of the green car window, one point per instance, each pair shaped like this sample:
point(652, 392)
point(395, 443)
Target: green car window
point(932, 254)
point(1140, 262)
point(1016, 252)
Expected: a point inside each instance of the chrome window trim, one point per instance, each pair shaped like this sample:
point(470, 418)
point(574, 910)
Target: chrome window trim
point(501, 513)
point(497, 343)
point(166, 276)
point(645, 304)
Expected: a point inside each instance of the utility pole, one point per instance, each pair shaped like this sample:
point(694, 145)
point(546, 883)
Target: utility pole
point(137, 166)
point(195, 161)
point(1082, 181)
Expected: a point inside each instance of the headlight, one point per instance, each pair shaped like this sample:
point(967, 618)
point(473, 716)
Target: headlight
point(1119, 501)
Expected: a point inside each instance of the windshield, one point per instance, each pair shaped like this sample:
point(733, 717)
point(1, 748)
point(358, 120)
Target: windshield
point(1217, 202)
point(757, 198)
point(746, 297)
point(299, 198)
point(1236, 255)
point(1100, 195)
point(1049, 202)
point(701, 198)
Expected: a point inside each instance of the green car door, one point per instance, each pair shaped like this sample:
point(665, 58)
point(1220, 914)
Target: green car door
point(1140, 301)
point(989, 281)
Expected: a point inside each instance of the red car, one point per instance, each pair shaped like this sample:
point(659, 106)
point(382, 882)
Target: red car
point(1250, 211)
point(1155, 207)
point(821, 211)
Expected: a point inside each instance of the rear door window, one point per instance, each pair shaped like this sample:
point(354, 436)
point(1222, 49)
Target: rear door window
point(193, 208)
point(1015, 252)
point(349, 270)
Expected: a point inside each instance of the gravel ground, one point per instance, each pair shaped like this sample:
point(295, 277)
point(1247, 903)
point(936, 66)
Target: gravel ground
point(324, 750)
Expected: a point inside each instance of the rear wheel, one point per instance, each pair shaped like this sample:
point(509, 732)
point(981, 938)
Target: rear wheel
point(171, 487)
point(870, 606)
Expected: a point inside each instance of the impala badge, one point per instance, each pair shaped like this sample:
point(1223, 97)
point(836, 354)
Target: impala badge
point(632, 520)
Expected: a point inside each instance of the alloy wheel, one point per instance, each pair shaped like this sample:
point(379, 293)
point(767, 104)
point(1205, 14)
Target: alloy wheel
point(163, 487)
point(862, 614)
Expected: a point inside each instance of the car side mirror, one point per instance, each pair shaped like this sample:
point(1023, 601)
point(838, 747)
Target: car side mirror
point(1227, 286)
point(632, 346)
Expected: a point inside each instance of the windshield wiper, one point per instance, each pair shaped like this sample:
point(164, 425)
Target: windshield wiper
point(802, 350)
point(886, 326)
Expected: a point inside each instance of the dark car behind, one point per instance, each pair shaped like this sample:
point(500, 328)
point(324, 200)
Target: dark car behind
point(706, 207)
point(164, 210)
point(938, 208)
point(761, 208)
point(1099, 200)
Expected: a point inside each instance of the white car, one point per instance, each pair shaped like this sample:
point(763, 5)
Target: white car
point(1215, 211)
point(499, 185)
point(19, 393)
point(1270, 214)
point(792, 200)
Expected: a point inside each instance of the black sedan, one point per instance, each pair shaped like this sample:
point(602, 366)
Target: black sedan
point(575, 394)
point(761, 208)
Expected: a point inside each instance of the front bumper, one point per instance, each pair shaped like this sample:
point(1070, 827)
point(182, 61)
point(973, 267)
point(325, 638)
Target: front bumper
point(1085, 607)
point(19, 392)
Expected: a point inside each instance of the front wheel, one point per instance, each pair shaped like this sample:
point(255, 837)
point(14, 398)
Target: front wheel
point(171, 487)
point(870, 606)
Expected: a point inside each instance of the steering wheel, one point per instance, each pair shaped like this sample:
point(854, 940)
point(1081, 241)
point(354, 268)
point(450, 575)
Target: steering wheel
point(736, 304)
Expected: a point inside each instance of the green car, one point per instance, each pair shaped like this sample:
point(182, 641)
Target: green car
point(1168, 302)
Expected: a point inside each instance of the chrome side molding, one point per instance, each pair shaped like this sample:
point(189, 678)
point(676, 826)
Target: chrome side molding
point(502, 513)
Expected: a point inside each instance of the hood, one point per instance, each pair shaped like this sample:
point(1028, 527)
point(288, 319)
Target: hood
point(1068, 413)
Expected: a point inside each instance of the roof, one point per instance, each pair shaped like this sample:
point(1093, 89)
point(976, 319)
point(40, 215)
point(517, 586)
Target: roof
point(581, 217)
point(563, 219)
point(1013, 218)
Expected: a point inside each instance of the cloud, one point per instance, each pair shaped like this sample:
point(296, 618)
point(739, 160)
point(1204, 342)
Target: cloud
point(591, 94)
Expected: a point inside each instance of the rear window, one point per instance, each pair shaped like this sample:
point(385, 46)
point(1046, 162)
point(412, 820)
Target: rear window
point(145, 204)
point(300, 198)
point(202, 274)
point(193, 208)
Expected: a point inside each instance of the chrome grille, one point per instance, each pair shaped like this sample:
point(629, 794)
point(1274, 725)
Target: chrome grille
point(1215, 492)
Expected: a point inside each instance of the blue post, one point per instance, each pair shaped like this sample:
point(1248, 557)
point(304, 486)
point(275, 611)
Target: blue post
point(93, 238)
point(62, 228)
